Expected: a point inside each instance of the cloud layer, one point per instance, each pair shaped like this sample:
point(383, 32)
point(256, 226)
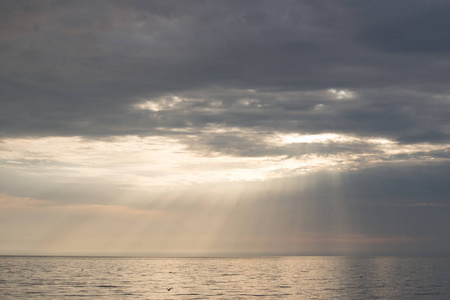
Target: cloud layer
point(135, 103)
point(74, 69)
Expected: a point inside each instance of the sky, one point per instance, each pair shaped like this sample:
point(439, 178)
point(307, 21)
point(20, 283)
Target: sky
point(198, 128)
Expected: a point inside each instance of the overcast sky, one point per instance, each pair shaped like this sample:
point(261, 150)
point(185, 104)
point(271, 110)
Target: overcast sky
point(224, 127)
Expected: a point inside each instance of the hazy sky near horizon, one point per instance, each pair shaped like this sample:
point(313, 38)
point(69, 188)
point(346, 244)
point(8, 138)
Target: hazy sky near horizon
point(224, 127)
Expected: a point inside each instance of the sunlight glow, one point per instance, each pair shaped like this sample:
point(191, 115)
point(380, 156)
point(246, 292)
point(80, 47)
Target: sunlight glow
point(315, 138)
point(158, 186)
point(149, 162)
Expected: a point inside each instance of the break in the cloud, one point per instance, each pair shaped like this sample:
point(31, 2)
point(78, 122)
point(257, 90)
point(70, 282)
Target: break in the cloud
point(186, 108)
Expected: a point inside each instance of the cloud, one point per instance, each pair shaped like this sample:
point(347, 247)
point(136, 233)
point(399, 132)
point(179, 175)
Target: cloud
point(71, 69)
point(418, 30)
point(137, 102)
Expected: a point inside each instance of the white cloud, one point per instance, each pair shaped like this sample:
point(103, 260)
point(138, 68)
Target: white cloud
point(319, 106)
point(315, 138)
point(164, 103)
point(342, 94)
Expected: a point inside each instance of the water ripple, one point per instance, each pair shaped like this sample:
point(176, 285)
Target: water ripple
point(225, 278)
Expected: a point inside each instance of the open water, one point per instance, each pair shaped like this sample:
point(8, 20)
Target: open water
point(225, 278)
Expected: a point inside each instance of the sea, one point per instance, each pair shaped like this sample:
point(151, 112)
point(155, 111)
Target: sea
point(297, 277)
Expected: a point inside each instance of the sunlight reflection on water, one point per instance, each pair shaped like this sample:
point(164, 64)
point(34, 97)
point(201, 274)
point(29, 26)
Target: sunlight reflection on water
point(225, 278)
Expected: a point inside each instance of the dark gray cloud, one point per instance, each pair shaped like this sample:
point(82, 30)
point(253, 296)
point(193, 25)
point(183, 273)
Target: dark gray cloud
point(77, 68)
point(413, 29)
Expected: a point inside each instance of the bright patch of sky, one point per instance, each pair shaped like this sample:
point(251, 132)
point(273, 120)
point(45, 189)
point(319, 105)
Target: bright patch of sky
point(163, 161)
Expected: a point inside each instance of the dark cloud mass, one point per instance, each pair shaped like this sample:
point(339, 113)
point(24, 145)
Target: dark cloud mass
point(77, 68)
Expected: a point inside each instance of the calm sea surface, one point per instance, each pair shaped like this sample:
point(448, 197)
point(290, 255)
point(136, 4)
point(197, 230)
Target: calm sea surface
point(225, 278)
